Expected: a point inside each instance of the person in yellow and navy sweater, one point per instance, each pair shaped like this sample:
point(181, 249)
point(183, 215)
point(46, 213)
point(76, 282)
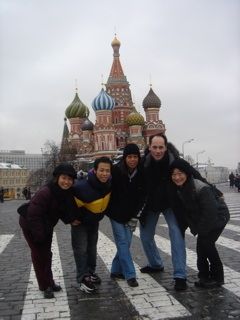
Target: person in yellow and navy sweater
point(92, 196)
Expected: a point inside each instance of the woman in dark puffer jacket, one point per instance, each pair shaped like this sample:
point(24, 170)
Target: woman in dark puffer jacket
point(198, 207)
point(52, 202)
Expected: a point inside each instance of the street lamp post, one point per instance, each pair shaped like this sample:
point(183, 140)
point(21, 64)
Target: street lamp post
point(42, 167)
point(198, 154)
point(184, 142)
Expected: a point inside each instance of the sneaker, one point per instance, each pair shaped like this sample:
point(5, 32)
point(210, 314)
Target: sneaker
point(180, 284)
point(87, 286)
point(117, 276)
point(48, 293)
point(149, 269)
point(132, 282)
point(95, 278)
point(56, 287)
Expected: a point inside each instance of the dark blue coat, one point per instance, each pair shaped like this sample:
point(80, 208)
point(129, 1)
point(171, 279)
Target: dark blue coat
point(92, 198)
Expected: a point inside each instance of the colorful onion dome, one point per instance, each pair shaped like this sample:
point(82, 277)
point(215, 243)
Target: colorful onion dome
point(87, 125)
point(135, 119)
point(103, 101)
point(115, 42)
point(151, 100)
point(77, 109)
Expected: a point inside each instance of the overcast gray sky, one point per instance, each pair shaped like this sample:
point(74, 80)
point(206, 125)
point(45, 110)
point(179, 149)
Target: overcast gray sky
point(191, 49)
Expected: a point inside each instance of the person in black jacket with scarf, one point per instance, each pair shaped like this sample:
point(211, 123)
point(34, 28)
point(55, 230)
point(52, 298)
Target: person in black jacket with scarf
point(127, 199)
point(198, 207)
point(92, 197)
point(155, 166)
point(52, 202)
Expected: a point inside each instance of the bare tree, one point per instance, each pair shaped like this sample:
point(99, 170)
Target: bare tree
point(36, 179)
point(51, 155)
point(51, 158)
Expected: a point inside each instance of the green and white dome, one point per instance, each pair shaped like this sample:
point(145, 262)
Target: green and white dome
point(77, 109)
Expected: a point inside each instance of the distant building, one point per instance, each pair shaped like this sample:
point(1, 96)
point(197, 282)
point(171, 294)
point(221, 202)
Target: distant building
point(27, 160)
point(238, 168)
point(13, 178)
point(214, 174)
point(117, 120)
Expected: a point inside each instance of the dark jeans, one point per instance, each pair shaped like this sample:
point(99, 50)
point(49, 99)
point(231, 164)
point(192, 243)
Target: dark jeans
point(208, 261)
point(84, 244)
point(42, 260)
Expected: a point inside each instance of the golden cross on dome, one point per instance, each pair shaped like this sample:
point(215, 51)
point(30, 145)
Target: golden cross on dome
point(76, 85)
point(102, 83)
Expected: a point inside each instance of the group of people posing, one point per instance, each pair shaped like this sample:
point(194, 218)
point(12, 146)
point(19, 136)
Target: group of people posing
point(137, 188)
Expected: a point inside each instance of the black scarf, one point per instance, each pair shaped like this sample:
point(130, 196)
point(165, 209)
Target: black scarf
point(58, 193)
point(66, 204)
point(104, 188)
point(157, 171)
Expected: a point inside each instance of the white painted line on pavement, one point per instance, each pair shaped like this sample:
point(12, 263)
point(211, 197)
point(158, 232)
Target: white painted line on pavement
point(234, 217)
point(223, 241)
point(232, 277)
point(35, 306)
point(233, 227)
point(150, 299)
point(4, 240)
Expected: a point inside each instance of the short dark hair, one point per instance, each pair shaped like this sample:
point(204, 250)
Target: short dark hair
point(158, 135)
point(102, 160)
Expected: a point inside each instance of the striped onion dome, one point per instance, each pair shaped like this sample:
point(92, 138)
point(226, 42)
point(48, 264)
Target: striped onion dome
point(77, 109)
point(151, 100)
point(135, 119)
point(103, 101)
point(87, 125)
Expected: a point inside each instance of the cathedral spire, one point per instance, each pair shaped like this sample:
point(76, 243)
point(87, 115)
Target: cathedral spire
point(116, 70)
point(65, 135)
point(118, 88)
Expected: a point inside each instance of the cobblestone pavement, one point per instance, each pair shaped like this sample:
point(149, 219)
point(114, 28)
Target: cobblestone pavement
point(155, 297)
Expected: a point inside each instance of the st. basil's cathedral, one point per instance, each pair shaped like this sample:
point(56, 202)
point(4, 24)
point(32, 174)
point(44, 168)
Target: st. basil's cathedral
point(117, 121)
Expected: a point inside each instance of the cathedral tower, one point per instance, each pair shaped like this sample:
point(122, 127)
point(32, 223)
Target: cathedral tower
point(104, 131)
point(152, 105)
point(118, 88)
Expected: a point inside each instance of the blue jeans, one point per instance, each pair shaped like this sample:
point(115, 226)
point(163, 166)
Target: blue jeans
point(84, 244)
point(178, 250)
point(122, 262)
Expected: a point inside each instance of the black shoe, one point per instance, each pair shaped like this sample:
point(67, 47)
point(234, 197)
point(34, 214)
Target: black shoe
point(208, 284)
point(132, 282)
point(56, 287)
point(180, 284)
point(95, 278)
point(149, 269)
point(220, 283)
point(87, 286)
point(117, 276)
point(48, 293)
